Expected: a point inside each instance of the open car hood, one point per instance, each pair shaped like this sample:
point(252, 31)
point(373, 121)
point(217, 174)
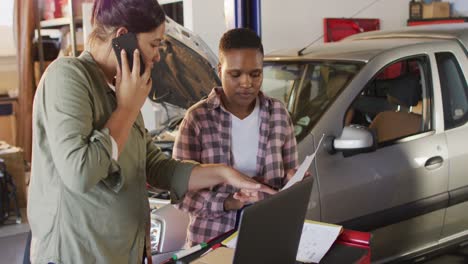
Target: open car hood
point(187, 70)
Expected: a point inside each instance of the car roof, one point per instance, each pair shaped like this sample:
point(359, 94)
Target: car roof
point(363, 47)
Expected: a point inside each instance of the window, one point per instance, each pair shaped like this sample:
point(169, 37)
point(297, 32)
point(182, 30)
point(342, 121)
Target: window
point(307, 88)
point(454, 90)
point(396, 103)
point(7, 47)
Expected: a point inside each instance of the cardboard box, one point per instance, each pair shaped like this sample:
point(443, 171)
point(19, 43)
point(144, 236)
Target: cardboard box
point(436, 10)
point(8, 129)
point(14, 161)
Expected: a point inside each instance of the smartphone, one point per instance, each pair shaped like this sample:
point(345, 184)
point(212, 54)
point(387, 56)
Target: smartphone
point(129, 43)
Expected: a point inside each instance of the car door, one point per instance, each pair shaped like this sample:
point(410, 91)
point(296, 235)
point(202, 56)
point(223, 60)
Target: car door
point(452, 71)
point(399, 191)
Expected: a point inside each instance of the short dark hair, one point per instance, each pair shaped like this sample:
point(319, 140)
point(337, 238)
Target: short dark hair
point(240, 38)
point(136, 15)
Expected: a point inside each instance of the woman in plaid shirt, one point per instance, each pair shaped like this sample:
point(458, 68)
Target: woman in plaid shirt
point(239, 126)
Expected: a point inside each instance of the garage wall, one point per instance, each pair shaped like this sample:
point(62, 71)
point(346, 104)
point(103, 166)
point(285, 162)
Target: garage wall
point(296, 25)
point(293, 23)
point(206, 18)
point(8, 74)
point(7, 46)
point(8, 68)
point(459, 7)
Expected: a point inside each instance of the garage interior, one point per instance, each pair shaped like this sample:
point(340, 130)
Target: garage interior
point(37, 32)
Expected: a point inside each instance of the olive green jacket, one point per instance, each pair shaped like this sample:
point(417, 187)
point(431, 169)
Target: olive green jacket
point(85, 207)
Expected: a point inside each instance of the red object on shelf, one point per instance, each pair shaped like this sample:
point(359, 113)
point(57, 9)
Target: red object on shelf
point(48, 9)
point(336, 29)
point(58, 9)
point(51, 9)
point(418, 22)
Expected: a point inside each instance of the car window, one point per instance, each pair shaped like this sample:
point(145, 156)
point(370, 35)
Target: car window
point(307, 88)
point(454, 90)
point(279, 80)
point(396, 102)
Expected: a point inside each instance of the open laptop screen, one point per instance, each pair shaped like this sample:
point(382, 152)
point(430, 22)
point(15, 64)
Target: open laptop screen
point(270, 230)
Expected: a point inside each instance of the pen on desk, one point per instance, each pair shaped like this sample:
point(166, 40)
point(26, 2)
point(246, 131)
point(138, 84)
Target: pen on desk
point(188, 251)
point(215, 246)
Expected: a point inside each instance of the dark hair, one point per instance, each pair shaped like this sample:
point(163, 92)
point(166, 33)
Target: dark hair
point(136, 15)
point(240, 38)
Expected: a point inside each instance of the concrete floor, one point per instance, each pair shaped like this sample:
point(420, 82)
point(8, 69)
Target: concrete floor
point(12, 248)
point(13, 240)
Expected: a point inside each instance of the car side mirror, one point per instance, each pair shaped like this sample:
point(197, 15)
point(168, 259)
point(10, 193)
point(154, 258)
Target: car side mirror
point(353, 140)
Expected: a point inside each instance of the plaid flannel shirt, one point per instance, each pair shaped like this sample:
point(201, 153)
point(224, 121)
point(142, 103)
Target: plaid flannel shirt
point(205, 136)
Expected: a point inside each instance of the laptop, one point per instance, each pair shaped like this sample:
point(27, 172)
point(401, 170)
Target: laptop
point(270, 230)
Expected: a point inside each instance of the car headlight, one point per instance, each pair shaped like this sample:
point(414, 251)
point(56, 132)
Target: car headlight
point(155, 235)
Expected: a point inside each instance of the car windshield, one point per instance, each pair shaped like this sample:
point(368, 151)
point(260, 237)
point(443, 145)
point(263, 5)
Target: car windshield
point(307, 88)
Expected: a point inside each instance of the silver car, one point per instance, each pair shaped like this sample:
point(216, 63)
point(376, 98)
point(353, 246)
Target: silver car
point(392, 107)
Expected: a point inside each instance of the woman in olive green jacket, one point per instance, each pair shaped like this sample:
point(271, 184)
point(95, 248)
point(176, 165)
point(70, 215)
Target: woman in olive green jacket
point(91, 154)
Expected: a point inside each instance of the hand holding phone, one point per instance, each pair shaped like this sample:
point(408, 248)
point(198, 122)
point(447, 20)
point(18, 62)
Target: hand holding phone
point(132, 82)
point(129, 43)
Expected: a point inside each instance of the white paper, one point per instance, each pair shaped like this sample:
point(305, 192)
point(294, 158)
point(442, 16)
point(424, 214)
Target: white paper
point(316, 240)
point(299, 175)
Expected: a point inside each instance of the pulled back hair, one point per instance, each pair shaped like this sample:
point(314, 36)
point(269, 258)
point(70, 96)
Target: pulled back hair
point(240, 38)
point(136, 15)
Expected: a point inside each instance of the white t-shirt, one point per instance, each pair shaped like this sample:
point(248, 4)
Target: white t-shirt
point(245, 136)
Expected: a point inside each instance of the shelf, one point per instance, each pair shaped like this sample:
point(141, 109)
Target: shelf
point(71, 21)
point(7, 98)
point(427, 21)
point(59, 22)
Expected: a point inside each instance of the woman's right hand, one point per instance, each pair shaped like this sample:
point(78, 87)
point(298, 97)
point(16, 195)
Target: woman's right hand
point(237, 200)
point(131, 88)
